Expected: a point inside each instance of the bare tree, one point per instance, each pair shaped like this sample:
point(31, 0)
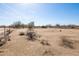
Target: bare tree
point(31, 25)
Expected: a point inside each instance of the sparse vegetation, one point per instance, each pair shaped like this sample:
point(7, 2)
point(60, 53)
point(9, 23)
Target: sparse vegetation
point(67, 42)
point(5, 37)
point(48, 53)
point(30, 33)
point(35, 43)
point(21, 33)
point(2, 41)
point(43, 26)
point(18, 24)
point(44, 42)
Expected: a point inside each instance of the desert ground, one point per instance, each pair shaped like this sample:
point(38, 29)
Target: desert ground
point(51, 42)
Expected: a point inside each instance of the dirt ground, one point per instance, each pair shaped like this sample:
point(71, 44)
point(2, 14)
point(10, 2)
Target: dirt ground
point(21, 46)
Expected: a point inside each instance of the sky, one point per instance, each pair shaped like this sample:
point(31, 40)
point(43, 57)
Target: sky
point(40, 13)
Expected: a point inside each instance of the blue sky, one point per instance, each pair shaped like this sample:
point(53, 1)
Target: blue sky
point(41, 14)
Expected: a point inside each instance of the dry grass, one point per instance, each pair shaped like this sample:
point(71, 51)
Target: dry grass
point(48, 53)
point(49, 43)
point(45, 42)
point(69, 42)
point(66, 42)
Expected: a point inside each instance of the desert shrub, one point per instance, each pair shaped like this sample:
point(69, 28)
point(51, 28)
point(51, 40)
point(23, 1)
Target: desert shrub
point(48, 53)
point(8, 31)
point(49, 26)
point(31, 35)
point(9, 39)
point(44, 42)
point(60, 30)
point(21, 33)
point(18, 24)
point(2, 41)
point(43, 26)
point(1, 51)
point(58, 25)
point(67, 42)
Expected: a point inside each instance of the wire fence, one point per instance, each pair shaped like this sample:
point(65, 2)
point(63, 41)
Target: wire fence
point(4, 36)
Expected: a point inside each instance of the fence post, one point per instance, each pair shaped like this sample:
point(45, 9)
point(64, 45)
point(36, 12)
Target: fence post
point(4, 33)
point(8, 34)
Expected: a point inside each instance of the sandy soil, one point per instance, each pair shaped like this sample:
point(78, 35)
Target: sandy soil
point(21, 46)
